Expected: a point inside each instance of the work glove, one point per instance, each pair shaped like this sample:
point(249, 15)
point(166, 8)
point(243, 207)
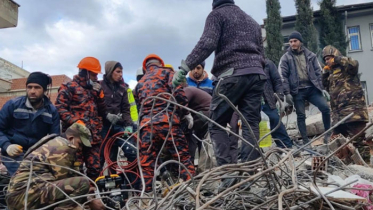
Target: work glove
point(113, 118)
point(189, 118)
point(289, 99)
point(96, 86)
point(326, 95)
point(14, 150)
point(179, 78)
point(281, 105)
point(326, 69)
point(128, 129)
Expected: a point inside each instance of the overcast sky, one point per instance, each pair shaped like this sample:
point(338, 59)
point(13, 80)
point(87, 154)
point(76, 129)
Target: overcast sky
point(52, 36)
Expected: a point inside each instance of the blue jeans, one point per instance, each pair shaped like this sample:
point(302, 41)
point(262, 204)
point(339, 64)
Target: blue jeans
point(10, 164)
point(314, 96)
point(280, 136)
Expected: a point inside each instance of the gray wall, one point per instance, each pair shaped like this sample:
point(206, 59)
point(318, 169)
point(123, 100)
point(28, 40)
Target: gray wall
point(365, 57)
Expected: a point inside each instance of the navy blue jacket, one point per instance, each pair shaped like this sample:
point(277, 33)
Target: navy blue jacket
point(289, 74)
point(272, 85)
point(205, 84)
point(19, 124)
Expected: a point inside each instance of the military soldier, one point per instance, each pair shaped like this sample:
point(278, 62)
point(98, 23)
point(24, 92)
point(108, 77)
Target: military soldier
point(341, 80)
point(49, 181)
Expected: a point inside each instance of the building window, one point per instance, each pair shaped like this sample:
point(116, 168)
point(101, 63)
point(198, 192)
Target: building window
point(286, 44)
point(354, 37)
point(371, 33)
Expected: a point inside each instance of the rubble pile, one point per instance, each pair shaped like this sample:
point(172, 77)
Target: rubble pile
point(282, 181)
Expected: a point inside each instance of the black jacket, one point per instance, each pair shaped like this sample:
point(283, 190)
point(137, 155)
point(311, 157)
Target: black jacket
point(289, 74)
point(117, 101)
point(273, 84)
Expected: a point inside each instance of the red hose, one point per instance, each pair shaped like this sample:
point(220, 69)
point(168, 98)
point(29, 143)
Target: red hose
point(129, 168)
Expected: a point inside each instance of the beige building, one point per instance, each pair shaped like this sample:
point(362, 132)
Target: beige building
point(10, 71)
point(8, 13)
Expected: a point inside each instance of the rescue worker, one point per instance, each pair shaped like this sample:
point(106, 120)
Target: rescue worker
point(26, 119)
point(116, 98)
point(341, 80)
point(199, 101)
point(50, 176)
point(236, 39)
point(274, 85)
point(154, 122)
point(199, 78)
point(302, 80)
point(83, 100)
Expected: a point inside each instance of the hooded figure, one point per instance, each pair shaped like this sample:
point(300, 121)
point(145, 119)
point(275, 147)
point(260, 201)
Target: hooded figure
point(117, 103)
point(115, 91)
point(341, 80)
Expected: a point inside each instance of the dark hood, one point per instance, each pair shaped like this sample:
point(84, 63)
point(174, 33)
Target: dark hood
point(217, 3)
point(109, 68)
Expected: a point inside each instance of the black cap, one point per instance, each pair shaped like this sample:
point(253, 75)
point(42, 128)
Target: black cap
point(39, 78)
point(296, 35)
point(203, 64)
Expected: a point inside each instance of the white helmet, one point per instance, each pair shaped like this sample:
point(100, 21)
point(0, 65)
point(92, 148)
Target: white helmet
point(139, 73)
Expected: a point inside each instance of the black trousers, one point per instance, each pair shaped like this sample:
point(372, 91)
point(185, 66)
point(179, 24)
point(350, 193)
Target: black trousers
point(246, 93)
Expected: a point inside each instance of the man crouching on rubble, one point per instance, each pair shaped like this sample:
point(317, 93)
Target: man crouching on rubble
point(51, 180)
point(341, 80)
point(158, 79)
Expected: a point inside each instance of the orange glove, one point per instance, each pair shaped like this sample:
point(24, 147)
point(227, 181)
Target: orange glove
point(80, 122)
point(327, 68)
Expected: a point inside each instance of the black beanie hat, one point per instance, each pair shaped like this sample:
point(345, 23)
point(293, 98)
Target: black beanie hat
point(296, 35)
point(39, 78)
point(216, 3)
point(202, 64)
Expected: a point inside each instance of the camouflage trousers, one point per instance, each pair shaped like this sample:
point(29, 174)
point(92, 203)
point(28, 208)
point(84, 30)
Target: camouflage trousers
point(351, 129)
point(44, 194)
point(91, 157)
point(151, 144)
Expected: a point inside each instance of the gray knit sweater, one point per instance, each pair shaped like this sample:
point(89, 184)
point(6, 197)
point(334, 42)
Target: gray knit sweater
point(236, 39)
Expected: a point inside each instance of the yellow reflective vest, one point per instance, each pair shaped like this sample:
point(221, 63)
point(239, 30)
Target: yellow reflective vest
point(133, 106)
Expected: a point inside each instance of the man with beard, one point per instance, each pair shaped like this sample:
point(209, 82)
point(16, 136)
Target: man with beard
point(199, 78)
point(26, 119)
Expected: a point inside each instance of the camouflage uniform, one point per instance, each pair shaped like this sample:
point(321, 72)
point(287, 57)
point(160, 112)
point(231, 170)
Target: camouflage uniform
point(346, 94)
point(47, 181)
point(155, 81)
point(77, 101)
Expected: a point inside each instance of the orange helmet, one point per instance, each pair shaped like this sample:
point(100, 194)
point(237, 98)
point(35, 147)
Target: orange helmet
point(152, 56)
point(90, 64)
